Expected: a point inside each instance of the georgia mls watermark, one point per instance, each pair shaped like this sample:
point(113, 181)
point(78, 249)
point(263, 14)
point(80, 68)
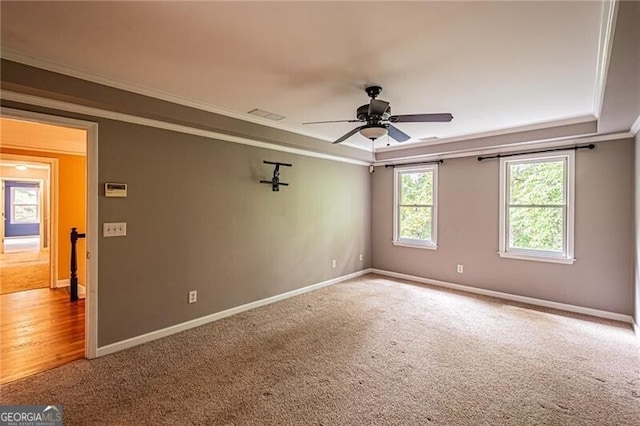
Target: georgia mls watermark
point(30, 415)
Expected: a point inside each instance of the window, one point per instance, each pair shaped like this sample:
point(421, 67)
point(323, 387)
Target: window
point(24, 205)
point(536, 207)
point(415, 207)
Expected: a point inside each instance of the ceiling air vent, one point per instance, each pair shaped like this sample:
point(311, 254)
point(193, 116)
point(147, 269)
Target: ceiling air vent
point(266, 114)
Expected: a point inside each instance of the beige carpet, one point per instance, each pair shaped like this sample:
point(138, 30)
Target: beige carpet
point(367, 351)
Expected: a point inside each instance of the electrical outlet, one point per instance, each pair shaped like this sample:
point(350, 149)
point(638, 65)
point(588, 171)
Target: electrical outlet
point(361, 257)
point(460, 269)
point(333, 263)
point(193, 296)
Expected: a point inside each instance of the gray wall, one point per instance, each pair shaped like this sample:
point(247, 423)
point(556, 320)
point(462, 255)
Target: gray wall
point(602, 276)
point(197, 219)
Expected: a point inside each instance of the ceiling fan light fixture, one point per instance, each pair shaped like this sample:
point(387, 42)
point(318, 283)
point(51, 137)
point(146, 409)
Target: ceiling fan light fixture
point(374, 132)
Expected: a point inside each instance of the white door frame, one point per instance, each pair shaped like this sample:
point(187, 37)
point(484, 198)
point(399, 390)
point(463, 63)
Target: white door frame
point(91, 301)
point(52, 208)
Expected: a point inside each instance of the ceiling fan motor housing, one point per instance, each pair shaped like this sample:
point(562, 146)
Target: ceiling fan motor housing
point(362, 113)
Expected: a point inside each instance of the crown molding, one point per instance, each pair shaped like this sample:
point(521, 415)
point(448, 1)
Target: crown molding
point(164, 96)
point(101, 113)
point(145, 91)
point(605, 45)
point(492, 133)
point(502, 149)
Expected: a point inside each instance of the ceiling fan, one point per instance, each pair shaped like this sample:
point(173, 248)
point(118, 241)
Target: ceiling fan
point(377, 116)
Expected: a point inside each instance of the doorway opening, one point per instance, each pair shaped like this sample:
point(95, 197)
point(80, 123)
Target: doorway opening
point(28, 209)
point(45, 169)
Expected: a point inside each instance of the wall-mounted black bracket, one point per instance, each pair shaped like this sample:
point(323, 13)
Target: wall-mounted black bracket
point(275, 181)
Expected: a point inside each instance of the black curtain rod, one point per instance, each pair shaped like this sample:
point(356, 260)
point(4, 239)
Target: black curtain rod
point(575, 148)
point(414, 164)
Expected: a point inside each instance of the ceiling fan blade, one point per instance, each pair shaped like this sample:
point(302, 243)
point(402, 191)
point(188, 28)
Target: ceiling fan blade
point(332, 121)
point(397, 134)
point(421, 118)
point(377, 107)
point(348, 135)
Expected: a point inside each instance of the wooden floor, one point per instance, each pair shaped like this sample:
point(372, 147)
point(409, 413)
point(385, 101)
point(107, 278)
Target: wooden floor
point(24, 271)
point(39, 330)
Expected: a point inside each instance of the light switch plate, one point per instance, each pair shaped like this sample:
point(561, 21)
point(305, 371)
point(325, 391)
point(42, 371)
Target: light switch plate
point(114, 229)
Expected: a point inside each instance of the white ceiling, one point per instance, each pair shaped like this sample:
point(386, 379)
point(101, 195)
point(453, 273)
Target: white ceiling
point(493, 65)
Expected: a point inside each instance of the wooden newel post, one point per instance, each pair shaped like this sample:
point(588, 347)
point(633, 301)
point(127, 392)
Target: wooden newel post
point(73, 280)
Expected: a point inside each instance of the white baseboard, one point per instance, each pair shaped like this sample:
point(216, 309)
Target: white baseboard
point(636, 329)
point(62, 283)
point(512, 297)
point(82, 290)
point(158, 334)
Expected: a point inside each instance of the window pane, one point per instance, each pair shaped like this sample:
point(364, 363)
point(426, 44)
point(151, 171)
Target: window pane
point(25, 214)
point(537, 183)
point(417, 188)
point(536, 228)
point(415, 223)
point(25, 195)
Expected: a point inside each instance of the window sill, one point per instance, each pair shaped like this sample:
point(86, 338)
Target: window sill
point(414, 245)
point(561, 260)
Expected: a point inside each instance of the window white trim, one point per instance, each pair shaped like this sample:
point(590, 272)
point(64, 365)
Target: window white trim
point(413, 243)
point(14, 204)
point(537, 258)
point(566, 257)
